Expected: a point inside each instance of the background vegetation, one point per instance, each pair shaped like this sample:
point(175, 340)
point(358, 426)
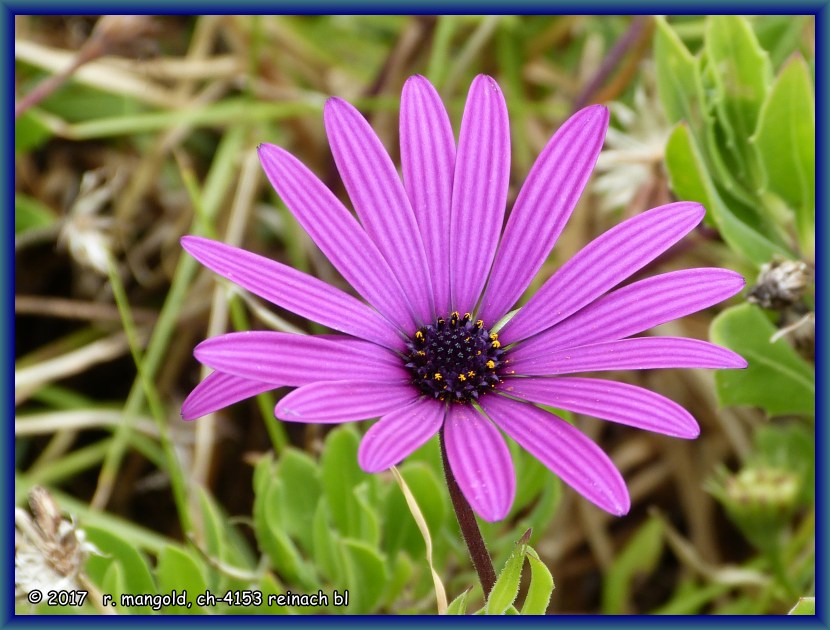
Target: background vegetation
point(134, 131)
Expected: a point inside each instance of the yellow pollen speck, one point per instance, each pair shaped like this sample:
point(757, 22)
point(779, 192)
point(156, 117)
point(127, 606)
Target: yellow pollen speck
point(471, 373)
point(494, 336)
point(461, 377)
point(478, 352)
point(437, 376)
point(496, 344)
point(479, 323)
point(419, 336)
point(490, 364)
point(467, 339)
point(421, 353)
point(467, 316)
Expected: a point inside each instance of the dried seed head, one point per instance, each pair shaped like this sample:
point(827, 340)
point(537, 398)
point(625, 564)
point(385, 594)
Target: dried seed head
point(781, 284)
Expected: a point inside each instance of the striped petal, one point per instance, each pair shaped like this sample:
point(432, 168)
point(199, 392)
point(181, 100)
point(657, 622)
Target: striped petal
point(286, 359)
point(479, 192)
point(635, 308)
point(543, 207)
point(294, 290)
point(338, 234)
point(603, 263)
point(399, 434)
point(561, 447)
point(480, 461)
point(380, 201)
point(639, 353)
point(344, 401)
point(428, 161)
point(218, 391)
point(609, 400)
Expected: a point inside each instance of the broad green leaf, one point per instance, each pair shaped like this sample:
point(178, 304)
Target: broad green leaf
point(132, 572)
point(804, 606)
point(785, 144)
point(222, 542)
point(269, 586)
point(30, 132)
point(114, 583)
point(506, 588)
point(31, 214)
point(690, 181)
point(179, 571)
point(678, 79)
point(326, 544)
point(401, 575)
point(541, 586)
point(400, 530)
point(365, 573)
point(742, 74)
point(640, 556)
point(777, 380)
point(300, 479)
point(780, 35)
point(458, 606)
point(340, 476)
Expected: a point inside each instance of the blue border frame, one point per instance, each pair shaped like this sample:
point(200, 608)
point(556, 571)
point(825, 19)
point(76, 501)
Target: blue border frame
point(9, 9)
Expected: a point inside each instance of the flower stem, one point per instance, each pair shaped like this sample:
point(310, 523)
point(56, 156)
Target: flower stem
point(469, 527)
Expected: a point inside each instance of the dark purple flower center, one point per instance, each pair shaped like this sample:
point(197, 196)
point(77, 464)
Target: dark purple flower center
point(454, 359)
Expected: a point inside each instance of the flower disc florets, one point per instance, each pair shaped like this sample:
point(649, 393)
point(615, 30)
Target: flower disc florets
point(454, 359)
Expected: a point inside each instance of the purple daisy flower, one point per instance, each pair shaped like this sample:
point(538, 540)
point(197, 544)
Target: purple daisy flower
point(423, 351)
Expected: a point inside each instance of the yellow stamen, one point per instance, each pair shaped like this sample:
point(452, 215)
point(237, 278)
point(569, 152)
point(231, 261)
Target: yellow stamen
point(471, 373)
point(421, 353)
point(494, 336)
point(461, 377)
point(437, 376)
point(479, 323)
point(491, 364)
point(419, 336)
point(496, 344)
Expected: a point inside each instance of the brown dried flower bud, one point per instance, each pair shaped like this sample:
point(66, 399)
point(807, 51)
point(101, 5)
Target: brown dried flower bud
point(781, 284)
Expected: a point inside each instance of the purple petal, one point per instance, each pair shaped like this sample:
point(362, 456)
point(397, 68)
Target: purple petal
point(337, 233)
point(399, 433)
point(609, 400)
point(428, 161)
point(639, 353)
point(286, 359)
point(635, 308)
point(479, 192)
point(344, 401)
point(480, 461)
point(294, 290)
point(603, 263)
point(380, 201)
point(218, 391)
point(568, 453)
point(543, 207)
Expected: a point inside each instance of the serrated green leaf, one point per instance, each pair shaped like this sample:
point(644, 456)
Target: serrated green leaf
point(31, 214)
point(506, 588)
point(691, 181)
point(178, 570)
point(365, 573)
point(804, 606)
point(777, 380)
point(785, 145)
point(458, 606)
point(541, 586)
point(639, 556)
point(742, 75)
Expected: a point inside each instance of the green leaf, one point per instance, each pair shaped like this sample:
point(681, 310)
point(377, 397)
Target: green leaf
point(785, 144)
point(691, 181)
point(114, 583)
point(365, 573)
point(639, 557)
point(401, 575)
point(179, 571)
point(326, 544)
point(340, 475)
point(132, 575)
point(778, 380)
point(300, 480)
point(400, 529)
point(31, 214)
point(804, 606)
point(742, 75)
point(30, 132)
point(269, 586)
point(541, 586)
point(506, 588)
point(458, 606)
point(678, 78)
